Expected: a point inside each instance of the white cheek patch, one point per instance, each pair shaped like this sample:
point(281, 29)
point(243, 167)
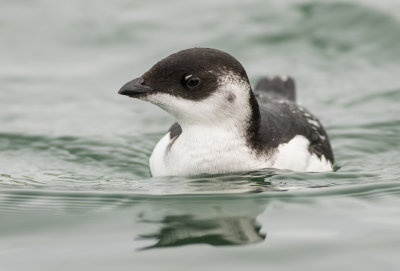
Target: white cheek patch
point(187, 111)
point(227, 103)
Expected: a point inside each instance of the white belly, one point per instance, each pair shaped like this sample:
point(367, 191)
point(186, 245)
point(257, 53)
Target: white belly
point(207, 151)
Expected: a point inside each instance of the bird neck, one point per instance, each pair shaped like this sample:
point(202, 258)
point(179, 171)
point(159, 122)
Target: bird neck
point(246, 125)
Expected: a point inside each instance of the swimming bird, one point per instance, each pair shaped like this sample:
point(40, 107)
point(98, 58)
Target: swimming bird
point(222, 126)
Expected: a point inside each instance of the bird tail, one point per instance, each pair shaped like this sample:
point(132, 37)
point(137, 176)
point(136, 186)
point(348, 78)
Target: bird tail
point(276, 88)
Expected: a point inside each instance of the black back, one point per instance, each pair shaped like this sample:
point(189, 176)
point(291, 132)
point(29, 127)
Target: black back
point(281, 119)
point(281, 122)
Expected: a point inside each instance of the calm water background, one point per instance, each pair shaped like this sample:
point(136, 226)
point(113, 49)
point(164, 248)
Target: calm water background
point(75, 189)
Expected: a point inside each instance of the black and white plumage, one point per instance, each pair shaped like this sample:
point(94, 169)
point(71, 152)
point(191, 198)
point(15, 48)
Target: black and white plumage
point(222, 125)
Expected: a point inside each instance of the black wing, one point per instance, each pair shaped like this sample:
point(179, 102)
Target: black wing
point(282, 121)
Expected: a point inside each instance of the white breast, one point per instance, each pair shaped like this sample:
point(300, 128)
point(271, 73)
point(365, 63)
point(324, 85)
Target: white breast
point(202, 150)
point(209, 150)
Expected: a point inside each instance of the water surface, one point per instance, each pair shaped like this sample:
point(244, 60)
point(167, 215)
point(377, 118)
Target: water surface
point(75, 188)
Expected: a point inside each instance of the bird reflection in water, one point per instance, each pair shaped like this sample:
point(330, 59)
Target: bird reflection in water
point(184, 230)
point(220, 220)
point(179, 230)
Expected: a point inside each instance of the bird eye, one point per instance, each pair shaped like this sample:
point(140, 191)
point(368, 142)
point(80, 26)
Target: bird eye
point(191, 81)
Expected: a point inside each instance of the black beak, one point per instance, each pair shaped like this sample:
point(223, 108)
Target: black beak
point(135, 87)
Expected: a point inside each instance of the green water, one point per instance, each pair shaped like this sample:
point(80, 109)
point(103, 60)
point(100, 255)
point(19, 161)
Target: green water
point(75, 188)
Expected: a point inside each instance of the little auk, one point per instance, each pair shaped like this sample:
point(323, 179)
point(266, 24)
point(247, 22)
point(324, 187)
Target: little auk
point(222, 125)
